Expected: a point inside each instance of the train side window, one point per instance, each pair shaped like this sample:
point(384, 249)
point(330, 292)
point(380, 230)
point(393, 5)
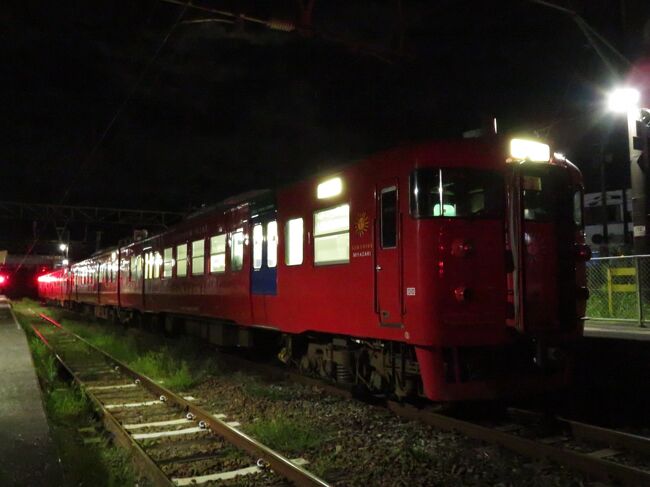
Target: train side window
point(147, 265)
point(389, 218)
point(218, 253)
point(181, 260)
point(198, 257)
point(272, 244)
point(258, 243)
point(332, 235)
point(157, 263)
point(132, 268)
point(237, 250)
point(168, 262)
point(294, 239)
point(152, 264)
point(577, 209)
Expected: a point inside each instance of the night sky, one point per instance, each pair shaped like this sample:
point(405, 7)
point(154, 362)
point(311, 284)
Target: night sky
point(226, 107)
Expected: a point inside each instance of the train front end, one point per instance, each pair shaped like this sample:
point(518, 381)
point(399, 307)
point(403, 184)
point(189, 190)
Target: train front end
point(508, 286)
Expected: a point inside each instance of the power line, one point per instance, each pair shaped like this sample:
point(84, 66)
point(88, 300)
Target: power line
point(591, 34)
point(113, 120)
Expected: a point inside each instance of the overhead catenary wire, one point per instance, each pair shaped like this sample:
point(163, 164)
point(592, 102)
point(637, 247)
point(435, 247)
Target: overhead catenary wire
point(592, 36)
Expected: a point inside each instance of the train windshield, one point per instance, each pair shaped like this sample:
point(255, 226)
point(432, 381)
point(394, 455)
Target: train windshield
point(457, 193)
point(546, 192)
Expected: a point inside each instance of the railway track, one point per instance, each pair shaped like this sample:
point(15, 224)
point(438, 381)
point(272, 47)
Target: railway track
point(174, 440)
point(601, 453)
point(597, 452)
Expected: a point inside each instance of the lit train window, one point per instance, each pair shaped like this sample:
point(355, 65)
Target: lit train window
point(218, 253)
point(332, 235)
point(389, 218)
point(258, 243)
point(272, 244)
point(157, 263)
point(293, 249)
point(237, 250)
point(152, 264)
point(168, 262)
point(181, 260)
point(147, 265)
point(132, 268)
point(198, 257)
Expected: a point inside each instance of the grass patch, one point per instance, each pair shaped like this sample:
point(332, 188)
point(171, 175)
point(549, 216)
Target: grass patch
point(287, 435)
point(66, 403)
point(69, 409)
point(161, 365)
point(47, 367)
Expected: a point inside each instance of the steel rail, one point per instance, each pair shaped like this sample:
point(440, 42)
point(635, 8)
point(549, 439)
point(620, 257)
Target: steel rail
point(275, 461)
point(629, 441)
point(119, 434)
point(583, 462)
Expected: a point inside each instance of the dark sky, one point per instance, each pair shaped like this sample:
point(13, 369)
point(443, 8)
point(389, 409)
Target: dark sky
point(224, 108)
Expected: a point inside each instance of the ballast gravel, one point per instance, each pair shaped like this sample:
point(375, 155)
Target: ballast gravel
point(363, 445)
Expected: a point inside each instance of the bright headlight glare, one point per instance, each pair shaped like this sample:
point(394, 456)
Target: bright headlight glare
point(529, 150)
point(622, 100)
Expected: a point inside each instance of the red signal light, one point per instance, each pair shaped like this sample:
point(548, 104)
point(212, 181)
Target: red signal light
point(3, 279)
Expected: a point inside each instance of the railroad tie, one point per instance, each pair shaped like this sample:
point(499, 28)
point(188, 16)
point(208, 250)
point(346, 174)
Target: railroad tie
point(168, 422)
point(201, 479)
point(184, 431)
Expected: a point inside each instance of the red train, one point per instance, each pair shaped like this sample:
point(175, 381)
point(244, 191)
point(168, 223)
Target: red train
point(453, 270)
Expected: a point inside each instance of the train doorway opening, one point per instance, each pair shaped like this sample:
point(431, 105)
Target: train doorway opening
point(387, 262)
point(265, 253)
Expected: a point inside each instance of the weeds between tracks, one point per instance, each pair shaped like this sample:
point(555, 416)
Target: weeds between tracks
point(68, 411)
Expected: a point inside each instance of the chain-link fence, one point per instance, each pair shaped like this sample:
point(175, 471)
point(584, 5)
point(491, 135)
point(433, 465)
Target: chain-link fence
point(619, 289)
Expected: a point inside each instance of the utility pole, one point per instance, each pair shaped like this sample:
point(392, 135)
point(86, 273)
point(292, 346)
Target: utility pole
point(638, 134)
point(603, 199)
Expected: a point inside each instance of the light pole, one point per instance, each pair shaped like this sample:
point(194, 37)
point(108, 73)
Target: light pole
point(625, 100)
point(64, 248)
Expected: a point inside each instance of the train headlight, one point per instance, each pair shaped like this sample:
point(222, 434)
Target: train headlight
point(529, 150)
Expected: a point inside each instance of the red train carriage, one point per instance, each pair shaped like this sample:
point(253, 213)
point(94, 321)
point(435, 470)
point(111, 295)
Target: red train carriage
point(53, 287)
point(454, 270)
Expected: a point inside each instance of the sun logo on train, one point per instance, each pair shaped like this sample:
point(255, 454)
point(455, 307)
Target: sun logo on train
point(362, 224)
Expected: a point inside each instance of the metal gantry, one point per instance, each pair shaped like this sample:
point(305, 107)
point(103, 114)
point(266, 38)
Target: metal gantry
point(66, 214)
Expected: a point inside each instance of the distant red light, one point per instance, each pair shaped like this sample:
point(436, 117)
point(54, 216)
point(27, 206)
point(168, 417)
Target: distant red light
point(3, 279)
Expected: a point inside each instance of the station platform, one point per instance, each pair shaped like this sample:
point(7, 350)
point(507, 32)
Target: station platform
point(27, 452)
point(616, 330)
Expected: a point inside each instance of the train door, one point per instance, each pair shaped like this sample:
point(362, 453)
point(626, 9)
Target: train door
point(543, 247)
point(264, 262)
point(388, 297)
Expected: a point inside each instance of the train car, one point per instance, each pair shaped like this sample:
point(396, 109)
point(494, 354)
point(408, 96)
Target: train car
point(53, 287)
point(451, 270)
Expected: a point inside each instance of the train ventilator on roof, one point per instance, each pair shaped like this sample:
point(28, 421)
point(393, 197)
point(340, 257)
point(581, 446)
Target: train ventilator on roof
point(529, 150)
